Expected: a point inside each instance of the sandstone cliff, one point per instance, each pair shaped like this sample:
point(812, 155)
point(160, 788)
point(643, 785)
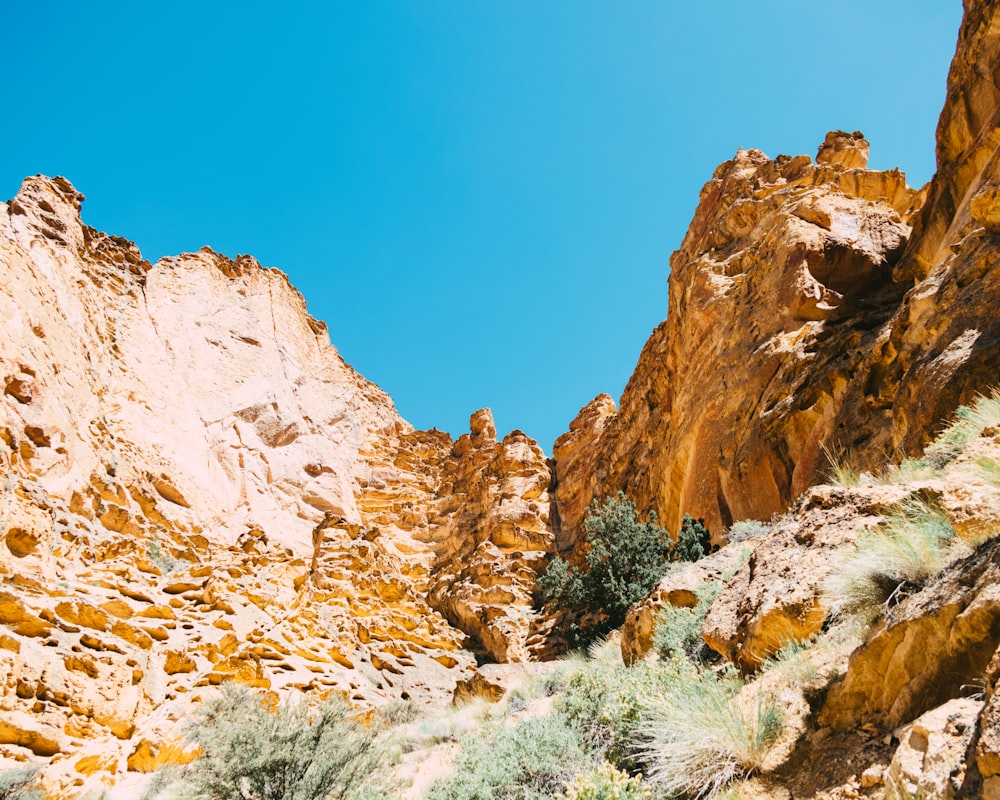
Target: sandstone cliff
point(197, 487)
point(814, 308)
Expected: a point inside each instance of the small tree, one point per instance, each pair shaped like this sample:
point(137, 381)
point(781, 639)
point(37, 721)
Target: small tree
point(252, 751)
point(693, 541)
point(625, 560)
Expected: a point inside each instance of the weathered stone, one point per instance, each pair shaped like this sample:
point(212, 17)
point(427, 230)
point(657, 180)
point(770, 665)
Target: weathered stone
point(679, 588)
point(775, 597)
point(930, 649)
point(934, 752)
point(728, 408)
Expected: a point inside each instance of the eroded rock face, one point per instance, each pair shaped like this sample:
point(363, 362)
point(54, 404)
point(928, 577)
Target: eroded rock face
point(933, 756)
point(775, 597)
point(495, 539)
point(805, 314)
point(943, 344)
point(930, 649)
point(775, 292)
point(197, 488)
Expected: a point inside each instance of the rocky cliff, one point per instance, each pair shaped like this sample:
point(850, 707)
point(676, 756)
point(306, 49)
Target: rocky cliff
point(196, 487)
point(816, 309)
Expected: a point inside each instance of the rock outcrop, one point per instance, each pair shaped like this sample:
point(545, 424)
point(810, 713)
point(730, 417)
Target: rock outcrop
point(776, 295)
point(815, 308)
point(197, 488)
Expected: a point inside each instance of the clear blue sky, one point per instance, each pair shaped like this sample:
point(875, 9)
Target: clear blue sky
point(479, 198)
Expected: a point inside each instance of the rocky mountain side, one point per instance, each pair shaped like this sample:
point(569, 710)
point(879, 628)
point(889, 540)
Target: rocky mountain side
point(198, 488)
point(814, 307)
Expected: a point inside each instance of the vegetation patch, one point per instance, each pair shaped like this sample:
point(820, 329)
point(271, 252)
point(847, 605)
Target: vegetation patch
point(625, 559)
point(899, 556)
point(254, 748)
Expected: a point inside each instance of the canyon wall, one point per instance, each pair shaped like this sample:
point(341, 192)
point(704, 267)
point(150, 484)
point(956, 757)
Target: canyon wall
point(818, 311)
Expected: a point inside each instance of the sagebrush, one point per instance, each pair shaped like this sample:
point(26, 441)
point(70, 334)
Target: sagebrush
point(254, 748)
point(528, 760)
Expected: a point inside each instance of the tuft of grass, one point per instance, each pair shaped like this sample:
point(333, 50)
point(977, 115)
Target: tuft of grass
point(989, 468)
point(840, 471)
point(967, 423)
point(746, 529)
point(900, 555)
point(604, 703)
point(397, 712)
point(792, 662)
point(700, 735)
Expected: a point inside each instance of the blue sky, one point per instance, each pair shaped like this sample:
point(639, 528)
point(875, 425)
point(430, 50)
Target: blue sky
point(479, 198)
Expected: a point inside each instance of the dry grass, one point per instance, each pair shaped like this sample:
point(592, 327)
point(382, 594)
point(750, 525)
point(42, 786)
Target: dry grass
point(901, 554)
point(701, 734)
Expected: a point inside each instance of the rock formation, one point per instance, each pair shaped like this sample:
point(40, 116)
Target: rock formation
point(815, 308)
point(196, 487)
point(776, 295)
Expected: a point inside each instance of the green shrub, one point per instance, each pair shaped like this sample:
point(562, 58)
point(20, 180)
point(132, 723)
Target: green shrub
point(14, 784)
point(531, 760)
point(694, 542)
point(624, 561)
point(700, 735)
point(677, 631)
point(605, 704)
point(900, 555)
point(250, 750)
point(605, 783)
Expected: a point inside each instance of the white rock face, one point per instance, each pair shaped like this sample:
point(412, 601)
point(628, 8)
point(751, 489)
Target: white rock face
point(210, 366)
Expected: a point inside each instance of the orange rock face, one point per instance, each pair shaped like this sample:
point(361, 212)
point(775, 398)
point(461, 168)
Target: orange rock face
point(776, 294)
point(813, 306)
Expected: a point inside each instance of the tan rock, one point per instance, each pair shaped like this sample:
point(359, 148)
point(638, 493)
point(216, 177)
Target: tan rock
point(934, 752)
point(679, 588)
point(775, 597)
point(844, 150)
point(933, 647)
point(728, 408)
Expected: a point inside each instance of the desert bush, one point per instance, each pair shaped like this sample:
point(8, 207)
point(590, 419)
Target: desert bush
point(605, 783)
point(746, 529)
point(529, 760)
point(398, 712)
point(677, 631)
point(252, 749)
point(900, 555)
point(700, 735)
point(624, 561)
point(14, 784)
point(604, 703)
